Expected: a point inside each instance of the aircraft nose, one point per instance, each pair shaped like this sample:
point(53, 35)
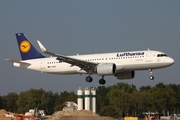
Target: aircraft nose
point(171, 61)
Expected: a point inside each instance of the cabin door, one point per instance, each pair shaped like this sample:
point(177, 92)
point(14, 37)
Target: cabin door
point(148, 56)
point(42, 64)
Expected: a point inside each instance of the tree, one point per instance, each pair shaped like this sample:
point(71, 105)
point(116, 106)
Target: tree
point(1, 102)
point(9, 102)
point(124, 87)
point(35, 98)
point(101, 99)
point(163, 97)
point(143, 88)
point(109, 111)
point(115, 100)
point(119, 100)
point(64, 97)
point(51, 98)
point(139, 102)
point(160, 85)
point(135, 101)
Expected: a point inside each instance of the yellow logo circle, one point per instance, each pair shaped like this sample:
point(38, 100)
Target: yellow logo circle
point(25, 46)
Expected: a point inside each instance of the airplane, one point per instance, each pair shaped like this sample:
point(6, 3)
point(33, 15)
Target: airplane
point(122, 65)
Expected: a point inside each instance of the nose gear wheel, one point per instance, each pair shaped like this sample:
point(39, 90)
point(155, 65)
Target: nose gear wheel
point(151, 77)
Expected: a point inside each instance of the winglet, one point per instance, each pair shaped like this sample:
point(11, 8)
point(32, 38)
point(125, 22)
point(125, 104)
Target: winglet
point(43, 49)
point(41, 46)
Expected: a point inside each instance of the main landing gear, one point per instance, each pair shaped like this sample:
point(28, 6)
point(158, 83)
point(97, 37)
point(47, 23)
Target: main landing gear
point(90, 79)
point(102, 81)
point(151, 77)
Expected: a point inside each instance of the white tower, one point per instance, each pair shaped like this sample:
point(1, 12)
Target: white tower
point(80, 98)
point(87, 98)
point(93, 99)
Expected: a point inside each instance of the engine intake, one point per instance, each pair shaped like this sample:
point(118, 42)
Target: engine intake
point(106, 69)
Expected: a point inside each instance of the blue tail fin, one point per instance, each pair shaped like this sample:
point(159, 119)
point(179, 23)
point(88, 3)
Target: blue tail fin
point(27, 50)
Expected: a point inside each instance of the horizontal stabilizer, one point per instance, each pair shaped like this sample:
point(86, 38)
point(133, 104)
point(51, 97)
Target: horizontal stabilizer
point(15, 61)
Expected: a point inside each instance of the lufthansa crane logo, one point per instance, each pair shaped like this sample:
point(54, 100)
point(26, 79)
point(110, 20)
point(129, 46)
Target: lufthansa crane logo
point(25, 46)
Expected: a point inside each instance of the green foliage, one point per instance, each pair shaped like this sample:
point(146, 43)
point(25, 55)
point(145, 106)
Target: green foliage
point(36, 98)
point(63, 97)
point(119, 100)
point(125, 98)
point(163, 97)
point(124, 87)
point(139, 102)
point(1, 104)
point(145, 88)
point(116, 101)
point(51, 98)
point(101, 98)
point(109, 111)
point(9, 102)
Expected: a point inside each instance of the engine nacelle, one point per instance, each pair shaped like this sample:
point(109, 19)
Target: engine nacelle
point(125, 75)
point(106, 69)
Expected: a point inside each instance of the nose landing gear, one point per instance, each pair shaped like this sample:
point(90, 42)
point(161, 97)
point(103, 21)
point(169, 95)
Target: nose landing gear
point(151, 77)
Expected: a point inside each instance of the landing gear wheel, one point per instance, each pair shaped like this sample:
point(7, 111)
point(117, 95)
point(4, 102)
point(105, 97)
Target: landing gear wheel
point(89, 79)
point(102, 81)
point(151, 77)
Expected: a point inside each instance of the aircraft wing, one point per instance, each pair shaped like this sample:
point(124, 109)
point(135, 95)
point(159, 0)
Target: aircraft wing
point(15, 61)
point(84, 65)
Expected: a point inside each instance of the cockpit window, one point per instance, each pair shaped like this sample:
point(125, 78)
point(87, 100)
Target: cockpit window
point(161, 55)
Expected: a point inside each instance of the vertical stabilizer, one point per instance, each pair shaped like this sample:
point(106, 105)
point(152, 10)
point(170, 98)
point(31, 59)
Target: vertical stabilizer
point(27, 50)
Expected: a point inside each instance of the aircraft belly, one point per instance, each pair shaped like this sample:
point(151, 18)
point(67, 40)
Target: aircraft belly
point(144, 66)
point(133, 67)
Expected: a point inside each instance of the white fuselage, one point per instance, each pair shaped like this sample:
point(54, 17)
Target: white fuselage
point(131, 61)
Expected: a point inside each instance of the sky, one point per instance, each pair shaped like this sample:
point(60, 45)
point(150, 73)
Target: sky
point(69, 27)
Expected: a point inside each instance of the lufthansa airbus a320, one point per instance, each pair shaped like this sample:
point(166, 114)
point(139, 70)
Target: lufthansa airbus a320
point(121, 65)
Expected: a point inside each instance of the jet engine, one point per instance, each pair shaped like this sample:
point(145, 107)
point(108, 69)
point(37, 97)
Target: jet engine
point(106, 69)
point(125, 75)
